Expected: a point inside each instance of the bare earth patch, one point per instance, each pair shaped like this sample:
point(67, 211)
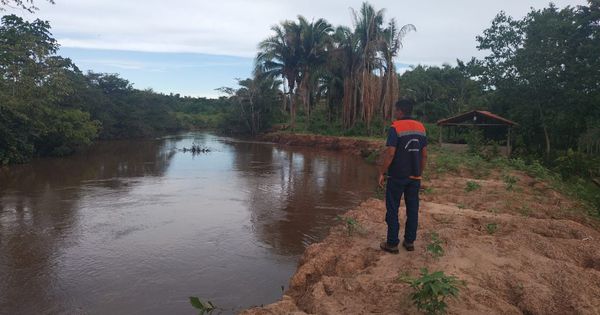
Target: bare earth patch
point(522, 248)
point(527, 266)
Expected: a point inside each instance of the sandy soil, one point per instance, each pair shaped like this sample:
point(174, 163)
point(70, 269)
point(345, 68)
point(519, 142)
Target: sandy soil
point(543, 258)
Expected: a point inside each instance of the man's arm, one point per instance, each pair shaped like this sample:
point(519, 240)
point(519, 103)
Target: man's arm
point(388, 157)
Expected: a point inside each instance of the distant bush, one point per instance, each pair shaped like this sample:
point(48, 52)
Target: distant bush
point(575, 163)
point(472, 186)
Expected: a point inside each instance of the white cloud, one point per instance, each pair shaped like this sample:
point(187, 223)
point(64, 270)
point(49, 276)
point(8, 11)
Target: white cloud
point(446, 29)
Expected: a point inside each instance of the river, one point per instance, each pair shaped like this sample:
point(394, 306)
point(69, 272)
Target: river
point(137, 226)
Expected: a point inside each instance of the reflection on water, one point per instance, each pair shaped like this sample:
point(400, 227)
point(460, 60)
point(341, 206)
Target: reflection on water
point(137, 226)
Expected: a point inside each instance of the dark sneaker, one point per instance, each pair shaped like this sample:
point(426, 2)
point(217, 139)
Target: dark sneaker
point(389, 248)
point(408, 246)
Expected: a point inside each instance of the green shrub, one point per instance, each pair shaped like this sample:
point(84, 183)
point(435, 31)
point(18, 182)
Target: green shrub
point(510, 181)
point(351, 224)
point(574, 164)
point(472, 186)
point(432, 290)
point(475, 141)
point(435, 246)
point(491, 228)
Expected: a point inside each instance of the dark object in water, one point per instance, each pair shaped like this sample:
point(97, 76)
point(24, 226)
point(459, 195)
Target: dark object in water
point(196, 149)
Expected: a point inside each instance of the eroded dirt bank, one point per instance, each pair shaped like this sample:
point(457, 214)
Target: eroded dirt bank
point(541, 257)
point(362, 147)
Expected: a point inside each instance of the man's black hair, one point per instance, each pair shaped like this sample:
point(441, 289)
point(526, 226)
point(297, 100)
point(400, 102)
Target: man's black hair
point(406, 105)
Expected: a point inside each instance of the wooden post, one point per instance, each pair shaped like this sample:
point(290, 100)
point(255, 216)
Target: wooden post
point(508, 147)
point(441, 135)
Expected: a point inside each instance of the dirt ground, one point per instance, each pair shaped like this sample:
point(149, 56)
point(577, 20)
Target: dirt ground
point(542, 257)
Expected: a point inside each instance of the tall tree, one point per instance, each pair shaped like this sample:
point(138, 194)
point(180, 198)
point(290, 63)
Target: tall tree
point(316, 42)
point(280, 56)
point(391, 44)
point(542, 72)
point(22, 4)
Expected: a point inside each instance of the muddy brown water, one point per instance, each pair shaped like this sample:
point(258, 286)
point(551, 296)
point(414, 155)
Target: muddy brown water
point(137, 226)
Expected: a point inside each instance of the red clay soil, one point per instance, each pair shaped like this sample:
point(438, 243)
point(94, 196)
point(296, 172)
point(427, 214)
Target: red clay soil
point(354, 146)
point(542, 258)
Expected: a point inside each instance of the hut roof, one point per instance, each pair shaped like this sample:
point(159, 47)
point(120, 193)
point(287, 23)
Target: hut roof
point(476, 117)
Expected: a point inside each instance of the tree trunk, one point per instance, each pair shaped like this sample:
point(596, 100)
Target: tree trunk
point(545, 128)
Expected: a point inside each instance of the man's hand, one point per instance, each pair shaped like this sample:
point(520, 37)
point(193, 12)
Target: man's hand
point(381, 180)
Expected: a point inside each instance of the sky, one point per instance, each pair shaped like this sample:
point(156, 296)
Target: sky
point(193, 47)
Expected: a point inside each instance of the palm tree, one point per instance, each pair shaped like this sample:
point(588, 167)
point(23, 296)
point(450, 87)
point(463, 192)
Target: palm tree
point(316, 42)
point(368, 24)
point(391, 44)
point(347, 52)
point(279, 56)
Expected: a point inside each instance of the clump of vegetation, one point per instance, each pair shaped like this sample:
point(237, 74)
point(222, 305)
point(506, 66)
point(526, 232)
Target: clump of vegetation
point(431, 291)
point(510, 181)
point(525, 210)
point(350, 224)
point(435, 246)
point(472, 186)
point(491, 228)
point(428, 190)
point(202, 307)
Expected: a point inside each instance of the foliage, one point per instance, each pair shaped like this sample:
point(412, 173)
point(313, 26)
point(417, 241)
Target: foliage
point(435, 246)
point(441, 92)
point(351, 224)
point(48, 107)
point(351, 69)
point(510, 181)
point(27, 5)
point(254, 101)
point(577, 164)
point(542, 73)
point(472, 186)
point(432, 290)
point(491, 228)
point(202, 307)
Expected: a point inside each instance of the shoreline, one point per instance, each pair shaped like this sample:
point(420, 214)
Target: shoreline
point(354, 146)
point(538, 263)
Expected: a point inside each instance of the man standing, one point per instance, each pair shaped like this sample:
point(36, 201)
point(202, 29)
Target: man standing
point(403, 163)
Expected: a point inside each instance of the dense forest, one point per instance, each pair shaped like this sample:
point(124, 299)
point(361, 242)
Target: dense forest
point(49, 107)
point(540, 71)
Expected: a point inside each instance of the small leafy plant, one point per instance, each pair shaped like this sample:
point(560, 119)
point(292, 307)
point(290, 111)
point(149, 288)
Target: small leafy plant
point(428, 190)
point(435, 246)
point(525, 211)
point(491, 228)
point(203, 307)
point(510, 181)
point(432, 290)
point(351, 224)
point(472, 186)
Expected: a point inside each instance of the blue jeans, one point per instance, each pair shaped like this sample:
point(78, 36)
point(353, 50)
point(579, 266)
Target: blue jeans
point(393, 193)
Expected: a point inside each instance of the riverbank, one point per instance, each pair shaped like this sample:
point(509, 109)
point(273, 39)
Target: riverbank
point(520, 245)
point(364, 147)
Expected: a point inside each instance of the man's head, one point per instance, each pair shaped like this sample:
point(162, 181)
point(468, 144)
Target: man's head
point(404, 108)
